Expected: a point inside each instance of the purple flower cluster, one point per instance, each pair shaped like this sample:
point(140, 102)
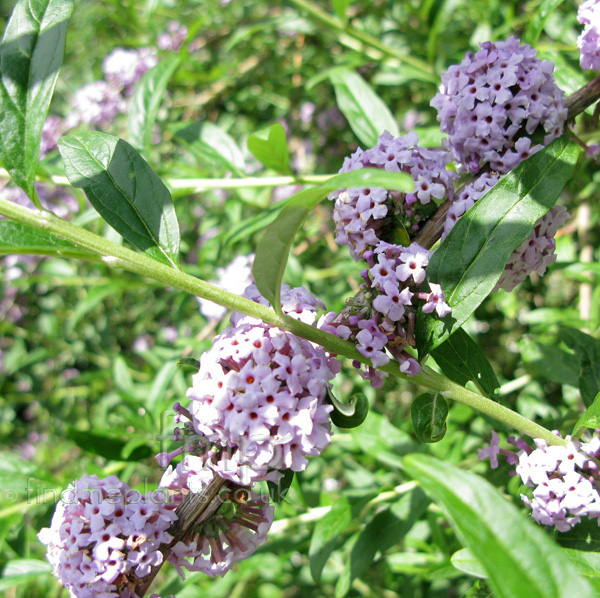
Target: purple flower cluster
point(258, 402)
point(494, 97)
point(370, 221)
point(536, 253)
point(51, 131)
point(237, 529)
point(103, 532)
point(391, 290)
point(124, 68)
point(565, 479)
point(588, 42)
point(174, 37)
point(363, 216)
point(96, 103)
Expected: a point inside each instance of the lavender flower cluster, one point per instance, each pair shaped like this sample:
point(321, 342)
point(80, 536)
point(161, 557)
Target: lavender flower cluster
point(588, 42)
point(492, 99)
point(104, 534)
point(536, 253)
point(124, 68)
point(259, 398)
point(369, 221)
point(98, 103)
point(565, 480)
point(486, 104)
point(174, 37)
point(365, 217)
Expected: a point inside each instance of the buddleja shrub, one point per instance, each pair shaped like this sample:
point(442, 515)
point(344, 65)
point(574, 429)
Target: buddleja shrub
point(434, 231)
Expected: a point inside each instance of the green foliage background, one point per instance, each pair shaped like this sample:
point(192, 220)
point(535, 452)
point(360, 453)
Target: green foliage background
point(89, 368)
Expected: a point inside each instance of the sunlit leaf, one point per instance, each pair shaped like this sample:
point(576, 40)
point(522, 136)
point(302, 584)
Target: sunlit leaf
point(471, 259)
point(145, 102)
point(30, 56)
point(518, 557)
point(124, 190)
point(368, 116)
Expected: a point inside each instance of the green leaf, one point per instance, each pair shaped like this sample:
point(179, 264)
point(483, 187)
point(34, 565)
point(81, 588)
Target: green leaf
point(91, 300)
point(109, 446)
point(18, 238)
point(189, 363)
point(549, 361)
point(270, 147)
point(383, 531)
point(351, 414)
point(278, 490)
point(145, 102)
point(383, 441)
point(30, 57)
point(470, 261)
point(19, 475)
point(368, 116)
point(247, 227)
point(586, 563)
point(274, 247)
point(340, 7)
point(21, 570)
point(461, 359)
point(124, 190)
point(464, 560)
point(428, 413)
point(587, 351)
point(590, 419)
point(326, 535)
point(536, 24)
point(211, 144)
point(160, 385)
point(584, 536)
point(121, 376)
point(518, 557)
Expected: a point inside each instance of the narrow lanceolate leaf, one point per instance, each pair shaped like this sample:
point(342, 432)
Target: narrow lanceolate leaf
point(124, 190)
point(536, 24)
point(30, 56)
point(590, 419)
point(270, 147)
point(518, 557)
point(471, 259)
point(428, 413)
point(146, 100)
point(17, 238)
point(326, 535)
point(274, 247)
point(211, 145)
point(587, 351)
point(461, 359)
point(365, 111)
point(19, 571)
point(385, 530)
